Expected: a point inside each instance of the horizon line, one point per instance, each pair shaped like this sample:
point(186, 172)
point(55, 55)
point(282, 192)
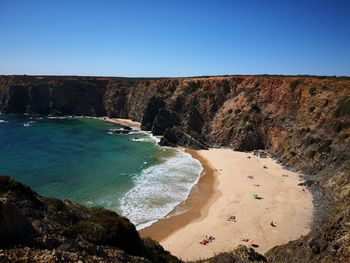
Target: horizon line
point(167, 77)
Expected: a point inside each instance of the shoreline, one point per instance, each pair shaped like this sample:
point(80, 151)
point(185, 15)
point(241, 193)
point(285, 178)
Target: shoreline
point(127, 122)
point(169, 231)
point(201, 196)
point(180, 234)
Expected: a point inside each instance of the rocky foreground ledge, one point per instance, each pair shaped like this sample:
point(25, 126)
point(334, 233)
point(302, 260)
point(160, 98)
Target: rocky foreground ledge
point(34, 228)
point(43, 229)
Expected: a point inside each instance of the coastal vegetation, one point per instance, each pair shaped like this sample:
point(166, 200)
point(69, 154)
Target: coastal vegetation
point(73, 231)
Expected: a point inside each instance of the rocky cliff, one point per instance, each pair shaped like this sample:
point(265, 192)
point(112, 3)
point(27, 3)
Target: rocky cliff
point(42, 229)
point(302, 121)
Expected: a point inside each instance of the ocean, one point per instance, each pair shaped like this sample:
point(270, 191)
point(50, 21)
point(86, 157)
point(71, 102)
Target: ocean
point(82, 160)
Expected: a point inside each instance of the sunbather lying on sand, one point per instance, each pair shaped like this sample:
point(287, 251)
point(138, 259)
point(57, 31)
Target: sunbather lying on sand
point(204, 242)
point(232, 218)
point(257, 197)
point(207, 240)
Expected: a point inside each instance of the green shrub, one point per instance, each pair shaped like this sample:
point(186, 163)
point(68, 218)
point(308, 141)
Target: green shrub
point(106, 227)
point(345, 136)
point(311, 154)
point(339, 126)
point(248, 126)
point(311, 109)
point(304, 129)
point(250, 93)
point(325, 147)
point(254, 108)
point(335, 209)
point(91, 231)
point(237, 111)
point(206, 94)
point(314, 140)
point(9, 184)
point(53, 205)
point(156, 252)
point(343, 107)
point(246, 118)
point(325, 103)
point(312, 91)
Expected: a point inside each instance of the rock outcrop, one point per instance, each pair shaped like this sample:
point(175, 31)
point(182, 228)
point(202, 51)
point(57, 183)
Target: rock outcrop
point(175, 136)
point(241, 254)
point(302, 121)
point(41, 229)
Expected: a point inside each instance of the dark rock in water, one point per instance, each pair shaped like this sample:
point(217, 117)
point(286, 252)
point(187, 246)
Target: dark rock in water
point(165, 119)
point(41, 229)
point(122, 130)
point(153, 106)
point(176, 136)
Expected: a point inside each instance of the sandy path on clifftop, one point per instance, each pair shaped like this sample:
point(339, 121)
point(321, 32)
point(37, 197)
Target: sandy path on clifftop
point(283, 202)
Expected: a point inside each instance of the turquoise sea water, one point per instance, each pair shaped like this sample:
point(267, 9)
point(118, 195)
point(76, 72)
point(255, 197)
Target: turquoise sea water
point(79, 159)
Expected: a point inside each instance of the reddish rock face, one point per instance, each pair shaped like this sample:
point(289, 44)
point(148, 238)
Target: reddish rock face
point(293, 117)
point(302, 121)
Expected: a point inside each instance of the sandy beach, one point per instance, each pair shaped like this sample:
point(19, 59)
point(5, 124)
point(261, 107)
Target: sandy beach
point(263, 200)
point(266, 206)
point(127, 122)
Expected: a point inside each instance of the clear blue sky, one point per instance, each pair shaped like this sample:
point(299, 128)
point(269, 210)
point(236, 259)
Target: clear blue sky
point(174, 38)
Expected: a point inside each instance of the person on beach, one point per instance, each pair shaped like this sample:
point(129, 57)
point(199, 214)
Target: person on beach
point(232, 218)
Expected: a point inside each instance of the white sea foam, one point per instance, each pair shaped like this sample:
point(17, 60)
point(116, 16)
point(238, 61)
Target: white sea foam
point(149, 138)
point(159, 188)
point(3, 121)
point(58, 117)
point(29, 123)
point(140, 139)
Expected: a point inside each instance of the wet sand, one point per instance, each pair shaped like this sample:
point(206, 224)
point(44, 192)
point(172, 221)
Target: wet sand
point(201, 197)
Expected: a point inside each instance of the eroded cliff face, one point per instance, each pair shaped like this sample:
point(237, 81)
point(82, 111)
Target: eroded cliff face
point(56, 96)
point(303, 121)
